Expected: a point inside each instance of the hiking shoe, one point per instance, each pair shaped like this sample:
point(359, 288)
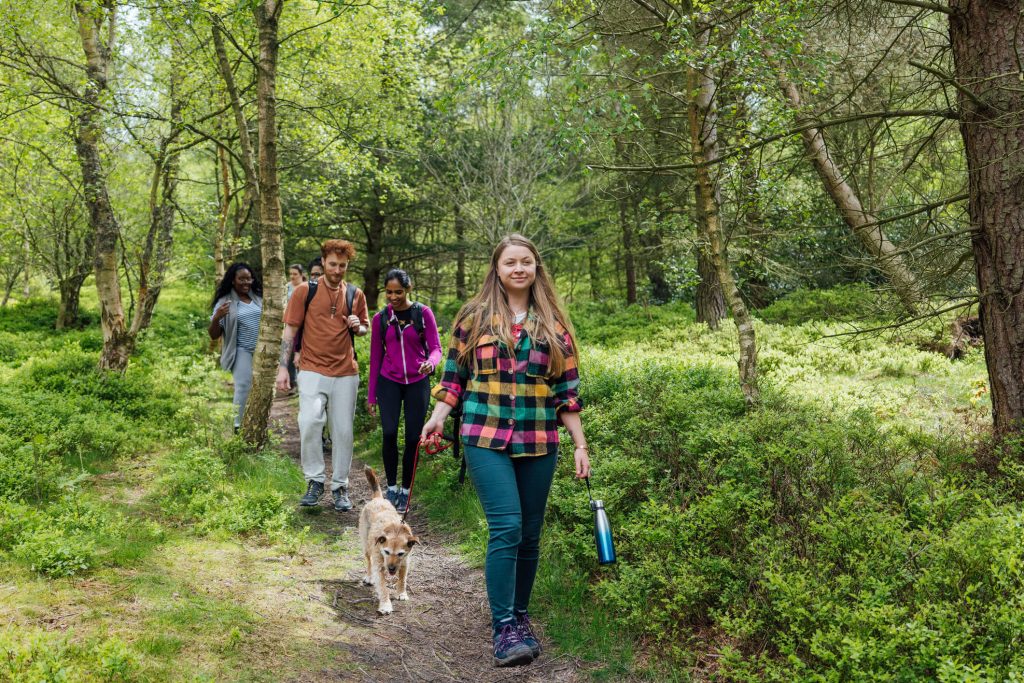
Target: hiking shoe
point(509, 648)
point(314, 490)
point(391, 496)
point(527, 635)
point(402, 502)
point(341, 501)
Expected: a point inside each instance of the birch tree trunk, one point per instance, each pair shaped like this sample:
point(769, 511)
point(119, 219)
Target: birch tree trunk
point(118, 342)
point(265, 360)
point(704, 151)
point(864, 225)
point(988, 45)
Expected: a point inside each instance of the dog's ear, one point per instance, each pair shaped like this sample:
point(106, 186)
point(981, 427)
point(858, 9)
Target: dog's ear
point(411, 542)
point(381, 540)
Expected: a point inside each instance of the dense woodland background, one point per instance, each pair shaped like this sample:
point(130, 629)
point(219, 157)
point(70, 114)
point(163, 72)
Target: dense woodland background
point(831, 193)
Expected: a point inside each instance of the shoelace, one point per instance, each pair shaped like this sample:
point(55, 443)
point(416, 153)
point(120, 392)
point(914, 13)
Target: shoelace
point(508, 637)
point(525, 628)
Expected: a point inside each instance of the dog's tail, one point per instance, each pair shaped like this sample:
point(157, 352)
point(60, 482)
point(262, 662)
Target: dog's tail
point(371, 477)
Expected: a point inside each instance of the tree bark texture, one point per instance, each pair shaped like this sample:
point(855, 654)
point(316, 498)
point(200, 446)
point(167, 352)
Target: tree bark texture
point(864, 225)
point(264, 372)
point(629, 258)
point(156, 255)
point(460, 256)
point(248, 157)
point(224, 182)
point(709, 302)
point(988, 45)
point(118, 343)
point(374, 228)
point(70, 295)
point(703, 117)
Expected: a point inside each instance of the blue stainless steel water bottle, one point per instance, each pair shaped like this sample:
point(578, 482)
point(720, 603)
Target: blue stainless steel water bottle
point(602, 530)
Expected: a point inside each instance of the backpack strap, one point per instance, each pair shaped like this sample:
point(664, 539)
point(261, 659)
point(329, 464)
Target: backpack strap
point(310, 293)
point(350, 296)
point(384, 324)
point(309, 296)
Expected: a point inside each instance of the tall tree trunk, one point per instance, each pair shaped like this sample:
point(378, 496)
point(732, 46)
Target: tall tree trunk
point(755, 276)
point(709, 303)
point(704, 151)
point(629, 260)
point(987, 46)
point(70, 293)
point(374, 243)
point(118, 343)
point(864, 225)
point(224, 182)
point(252, 183)
point(27, 290)
point(257, 410)
point(460, 256)
point(594, 271)
point(156, 255)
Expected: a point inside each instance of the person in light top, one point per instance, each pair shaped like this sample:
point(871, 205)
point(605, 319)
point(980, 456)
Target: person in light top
point(237, 307)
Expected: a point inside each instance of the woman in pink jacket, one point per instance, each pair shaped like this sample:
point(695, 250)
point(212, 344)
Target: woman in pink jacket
point(404, 350)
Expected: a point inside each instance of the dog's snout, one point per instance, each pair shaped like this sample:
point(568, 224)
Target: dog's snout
point(392, 570)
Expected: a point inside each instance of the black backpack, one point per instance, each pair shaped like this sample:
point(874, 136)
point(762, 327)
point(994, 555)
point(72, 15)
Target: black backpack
point(350, 296)
point(417, 323)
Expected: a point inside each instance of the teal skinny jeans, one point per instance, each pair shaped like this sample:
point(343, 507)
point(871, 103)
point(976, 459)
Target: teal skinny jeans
point(513, 493)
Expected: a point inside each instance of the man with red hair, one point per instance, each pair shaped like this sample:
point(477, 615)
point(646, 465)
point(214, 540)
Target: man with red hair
point(330, 316)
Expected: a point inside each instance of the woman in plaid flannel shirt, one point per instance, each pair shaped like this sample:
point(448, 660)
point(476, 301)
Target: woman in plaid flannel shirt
point(512, 366)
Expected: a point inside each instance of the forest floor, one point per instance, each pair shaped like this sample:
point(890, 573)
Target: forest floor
point(441, 634)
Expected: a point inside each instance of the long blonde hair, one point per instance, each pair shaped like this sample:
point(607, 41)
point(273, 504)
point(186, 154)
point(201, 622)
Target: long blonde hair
point(489, 313)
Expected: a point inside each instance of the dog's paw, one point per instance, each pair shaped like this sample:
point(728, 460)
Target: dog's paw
point(404, 595)
point(386, 608)
point(367, 581)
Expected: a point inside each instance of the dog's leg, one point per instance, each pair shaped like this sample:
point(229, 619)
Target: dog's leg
point(383, 594)
point(403, 594)
point(368, 577)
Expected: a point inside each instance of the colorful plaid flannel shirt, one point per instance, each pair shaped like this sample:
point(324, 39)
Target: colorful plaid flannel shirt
point(505, 407)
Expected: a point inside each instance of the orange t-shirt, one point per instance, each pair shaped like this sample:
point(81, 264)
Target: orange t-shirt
point(326, 342)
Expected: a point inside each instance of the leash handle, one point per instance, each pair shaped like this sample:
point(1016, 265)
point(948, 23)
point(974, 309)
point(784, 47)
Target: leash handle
point(433, 445)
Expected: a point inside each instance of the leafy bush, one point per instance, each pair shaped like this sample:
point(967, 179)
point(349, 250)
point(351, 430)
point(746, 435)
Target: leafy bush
point(54, 552)
point(187, 474)
point(46, 657)
point(843, 303)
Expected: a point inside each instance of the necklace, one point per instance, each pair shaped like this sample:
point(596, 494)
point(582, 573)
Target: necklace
point(334, 299)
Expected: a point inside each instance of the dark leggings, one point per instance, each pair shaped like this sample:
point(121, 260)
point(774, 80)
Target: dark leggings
point(390, 397)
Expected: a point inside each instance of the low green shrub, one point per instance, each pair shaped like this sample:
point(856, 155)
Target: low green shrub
point(241, 511)
point(185, 474)
point(55, 658)
point(54, 552)
point(843, 303)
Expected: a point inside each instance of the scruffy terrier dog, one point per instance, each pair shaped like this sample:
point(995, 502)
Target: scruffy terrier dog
point(387, 543)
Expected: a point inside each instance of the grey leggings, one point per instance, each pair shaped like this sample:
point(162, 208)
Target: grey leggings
point(242, 375)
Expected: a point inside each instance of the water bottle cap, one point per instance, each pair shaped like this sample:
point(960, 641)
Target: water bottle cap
point(597, 505)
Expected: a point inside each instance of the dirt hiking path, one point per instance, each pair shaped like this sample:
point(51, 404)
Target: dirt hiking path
point(440, 634)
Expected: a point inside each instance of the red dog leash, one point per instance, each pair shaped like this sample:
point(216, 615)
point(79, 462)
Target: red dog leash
point(434, 443)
